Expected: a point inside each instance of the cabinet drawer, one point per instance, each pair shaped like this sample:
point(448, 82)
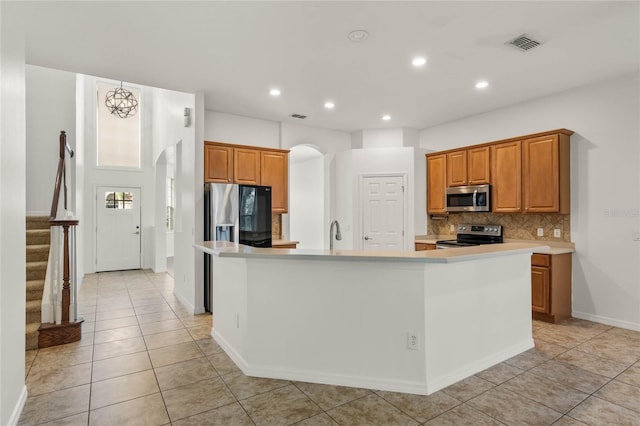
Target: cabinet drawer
point(540, 260)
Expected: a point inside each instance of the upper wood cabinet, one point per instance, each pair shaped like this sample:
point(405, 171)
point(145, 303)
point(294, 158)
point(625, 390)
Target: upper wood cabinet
point(468, 167)
point(436, 183)
point(457, 168)
point(545, 164)
point(218, 164)
point(528, 174)
point(246, 166)
point(274, 167)
point(478, 166)
point(506, 173)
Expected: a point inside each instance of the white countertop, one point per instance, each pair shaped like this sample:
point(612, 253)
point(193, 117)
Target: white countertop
point(227, 249)
point(541, 247)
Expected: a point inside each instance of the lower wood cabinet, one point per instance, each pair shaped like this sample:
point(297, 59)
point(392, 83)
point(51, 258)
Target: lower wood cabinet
point(425, 246)
point(551, 287)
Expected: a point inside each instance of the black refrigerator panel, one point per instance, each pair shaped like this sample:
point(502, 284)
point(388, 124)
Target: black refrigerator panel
point(255, 215)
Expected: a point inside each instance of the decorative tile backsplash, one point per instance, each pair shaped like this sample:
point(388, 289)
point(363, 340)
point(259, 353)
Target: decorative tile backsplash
point(514, 226)
point(276, 226)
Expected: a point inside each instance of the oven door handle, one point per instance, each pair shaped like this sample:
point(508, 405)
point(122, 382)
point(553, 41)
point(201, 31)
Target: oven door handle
point(475, 197)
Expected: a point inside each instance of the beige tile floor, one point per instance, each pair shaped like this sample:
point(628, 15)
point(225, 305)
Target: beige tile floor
point(145, 360)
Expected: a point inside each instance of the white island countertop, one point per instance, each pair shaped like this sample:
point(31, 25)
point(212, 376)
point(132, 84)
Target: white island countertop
point(228, 249)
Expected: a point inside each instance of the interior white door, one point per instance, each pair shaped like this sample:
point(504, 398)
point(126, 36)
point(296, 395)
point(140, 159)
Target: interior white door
point(383, 213)
point(117, 228)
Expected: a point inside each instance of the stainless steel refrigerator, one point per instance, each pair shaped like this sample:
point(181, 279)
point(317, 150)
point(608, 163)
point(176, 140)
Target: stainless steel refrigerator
point(236, 213)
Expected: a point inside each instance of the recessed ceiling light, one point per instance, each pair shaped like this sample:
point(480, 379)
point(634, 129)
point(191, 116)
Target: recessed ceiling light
point(386, 117)
point(482, 85)
point(274, 92)
point(418, 61)
point(329, 105)
point(358, 35)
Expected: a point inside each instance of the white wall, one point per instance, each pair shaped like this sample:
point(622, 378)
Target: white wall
point(383, 161)
point(306, 201)
point(382, 138)
point(188, 266)
point(236, 129)
point(13, 391)
point(605, 176)
point(51, 107)
point(95, 177)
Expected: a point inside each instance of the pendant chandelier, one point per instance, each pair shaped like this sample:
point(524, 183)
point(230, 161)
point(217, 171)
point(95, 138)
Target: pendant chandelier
point(121, 102)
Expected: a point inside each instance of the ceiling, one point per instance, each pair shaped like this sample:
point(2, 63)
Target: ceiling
point(234, 52)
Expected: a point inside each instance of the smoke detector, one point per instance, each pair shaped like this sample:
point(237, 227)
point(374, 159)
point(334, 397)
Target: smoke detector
point(299, 116)
point(523, 42)
point(358, 35)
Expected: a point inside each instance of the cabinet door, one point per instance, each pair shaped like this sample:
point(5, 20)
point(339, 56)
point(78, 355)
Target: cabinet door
point(274, 172)
point(506, 172)
point(478, 166)
point(541, 175)
point(457, 168)
point(436, 183)
point(218, 164)
point(246, 166)
point(540, 290)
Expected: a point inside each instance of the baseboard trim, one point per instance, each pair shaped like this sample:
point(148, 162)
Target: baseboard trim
point(477, 366)
point(188, 304)
point(311, 376)
point(17, 410)
point(606, 320)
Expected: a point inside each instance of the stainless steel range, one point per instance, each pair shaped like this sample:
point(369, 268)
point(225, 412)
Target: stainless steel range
point(473, 235)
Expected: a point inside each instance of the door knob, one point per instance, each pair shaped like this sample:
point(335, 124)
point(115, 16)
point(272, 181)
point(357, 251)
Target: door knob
point(137, 232)
point(367, 238)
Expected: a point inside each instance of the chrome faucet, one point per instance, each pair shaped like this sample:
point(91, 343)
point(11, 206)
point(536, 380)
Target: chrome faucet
point(338, 234)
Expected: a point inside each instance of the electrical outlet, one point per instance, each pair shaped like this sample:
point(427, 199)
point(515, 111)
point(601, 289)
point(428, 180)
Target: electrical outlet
point(413, 340)
point(452, 228)
point(540, 232)
point(557, 233)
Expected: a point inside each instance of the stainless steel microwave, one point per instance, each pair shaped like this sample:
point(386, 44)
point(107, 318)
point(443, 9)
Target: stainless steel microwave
point(474, 198)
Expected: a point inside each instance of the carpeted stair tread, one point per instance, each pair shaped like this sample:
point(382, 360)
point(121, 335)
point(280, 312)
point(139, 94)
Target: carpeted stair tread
point(38, 236)
point(36, 270)
point(37, 252)
point(33, 285)
point(37, 222)
point(31, 336)
point(33, 305)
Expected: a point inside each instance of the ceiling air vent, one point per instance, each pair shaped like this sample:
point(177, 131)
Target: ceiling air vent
point(300, 116)
point(523, 43)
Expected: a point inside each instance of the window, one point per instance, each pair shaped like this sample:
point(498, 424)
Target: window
point(118, 138)
point(171, 204)
point(118, 200)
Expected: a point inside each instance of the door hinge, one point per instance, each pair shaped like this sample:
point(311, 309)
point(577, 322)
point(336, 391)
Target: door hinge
point(403, 232)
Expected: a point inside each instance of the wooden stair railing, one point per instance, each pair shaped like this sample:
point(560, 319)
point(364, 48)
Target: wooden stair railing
point(68, 329)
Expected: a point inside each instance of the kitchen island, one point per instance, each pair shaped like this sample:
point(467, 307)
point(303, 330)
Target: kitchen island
point(411, 322)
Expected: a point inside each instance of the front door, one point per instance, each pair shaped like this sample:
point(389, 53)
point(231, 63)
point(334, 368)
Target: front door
point(383, 207)
point(117, 228)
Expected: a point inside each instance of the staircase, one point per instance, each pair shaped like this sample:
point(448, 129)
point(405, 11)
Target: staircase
point(38, 238)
